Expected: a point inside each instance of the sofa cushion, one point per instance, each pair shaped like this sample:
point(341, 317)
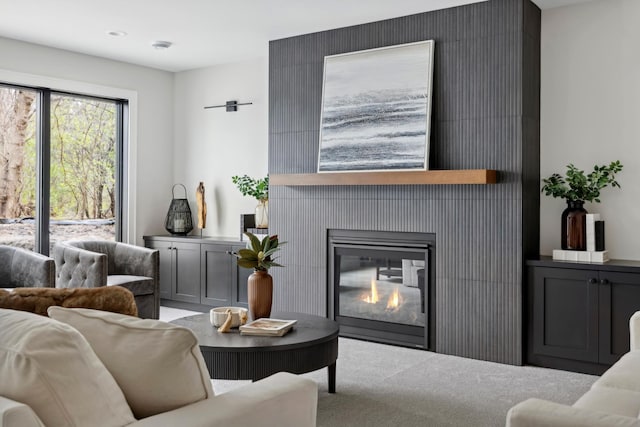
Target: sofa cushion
point(158, 366)
point(624, 374)
point(49, 366)
point(611, 400)
point(14, 413)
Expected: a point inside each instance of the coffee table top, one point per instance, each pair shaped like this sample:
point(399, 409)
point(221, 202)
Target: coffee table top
point(307, 331)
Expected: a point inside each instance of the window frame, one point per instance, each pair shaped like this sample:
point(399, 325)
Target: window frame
point(43, 160)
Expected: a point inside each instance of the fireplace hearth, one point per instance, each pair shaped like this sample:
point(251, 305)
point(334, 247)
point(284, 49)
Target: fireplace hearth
point(380, 285)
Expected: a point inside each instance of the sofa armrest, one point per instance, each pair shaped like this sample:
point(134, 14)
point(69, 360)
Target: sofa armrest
point(542, 413)
point(79, 268)
point(31, 269)
point(16, 414)
point(281, 400)
point(634, 331)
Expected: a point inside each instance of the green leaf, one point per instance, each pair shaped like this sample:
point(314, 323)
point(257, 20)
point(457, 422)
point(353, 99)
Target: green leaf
point(248, 254)
point(245, 263)
point(255, 242)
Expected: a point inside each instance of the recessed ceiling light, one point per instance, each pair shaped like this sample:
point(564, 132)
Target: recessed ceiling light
point(161, 44)
point(117, 33)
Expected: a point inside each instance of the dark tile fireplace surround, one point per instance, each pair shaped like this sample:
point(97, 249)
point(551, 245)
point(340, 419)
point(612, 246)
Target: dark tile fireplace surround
point(485, 116)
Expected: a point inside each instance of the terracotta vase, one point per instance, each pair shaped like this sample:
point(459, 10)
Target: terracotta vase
point(574, 226)
point(260, 292)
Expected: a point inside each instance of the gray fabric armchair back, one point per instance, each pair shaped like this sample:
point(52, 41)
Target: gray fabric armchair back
point(21, 268)
point(89, 264)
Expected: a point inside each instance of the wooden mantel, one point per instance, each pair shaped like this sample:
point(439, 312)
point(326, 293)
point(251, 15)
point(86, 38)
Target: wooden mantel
point(462, 176)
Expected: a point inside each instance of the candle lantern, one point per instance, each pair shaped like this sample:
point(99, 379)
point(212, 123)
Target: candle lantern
point(179, 219)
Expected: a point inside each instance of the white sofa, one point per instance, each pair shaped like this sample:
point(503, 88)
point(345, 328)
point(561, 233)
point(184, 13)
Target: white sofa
point(613, 400)
point(91, 368)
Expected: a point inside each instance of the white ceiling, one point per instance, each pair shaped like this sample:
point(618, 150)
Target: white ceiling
point(203, 32)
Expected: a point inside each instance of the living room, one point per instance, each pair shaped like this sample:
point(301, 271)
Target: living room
point(587, 103)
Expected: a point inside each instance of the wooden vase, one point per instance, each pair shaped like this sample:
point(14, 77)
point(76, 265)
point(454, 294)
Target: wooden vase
point(260, 292)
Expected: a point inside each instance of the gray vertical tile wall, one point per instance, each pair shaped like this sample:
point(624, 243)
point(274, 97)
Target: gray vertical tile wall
point(485, 115)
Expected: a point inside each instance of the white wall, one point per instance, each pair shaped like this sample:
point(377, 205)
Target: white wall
point(151, 95)
point(213, 145)
point(590, 112)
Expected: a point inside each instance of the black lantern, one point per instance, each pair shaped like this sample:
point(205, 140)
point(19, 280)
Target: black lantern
point(179, 219)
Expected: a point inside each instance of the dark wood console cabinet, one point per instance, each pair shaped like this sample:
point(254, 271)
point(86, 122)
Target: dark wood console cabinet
point(200, 273)
point(578, 314)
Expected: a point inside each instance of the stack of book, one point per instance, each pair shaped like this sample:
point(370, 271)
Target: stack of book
point(595, 244)
point(267, 327)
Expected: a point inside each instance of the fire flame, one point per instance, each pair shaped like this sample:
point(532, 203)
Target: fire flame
point(394, 300)
point(373, 298)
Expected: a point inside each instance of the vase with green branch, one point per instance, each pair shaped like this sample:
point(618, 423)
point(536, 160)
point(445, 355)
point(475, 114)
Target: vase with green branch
point(258, 255)
point(259, 190)
point(576, 188)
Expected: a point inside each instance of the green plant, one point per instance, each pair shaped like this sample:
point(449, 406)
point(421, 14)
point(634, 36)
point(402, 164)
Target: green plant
point(257, 188)
point(576, 186)
point(258, 253)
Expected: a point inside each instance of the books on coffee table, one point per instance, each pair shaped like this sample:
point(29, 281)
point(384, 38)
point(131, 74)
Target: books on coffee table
point(267, 327)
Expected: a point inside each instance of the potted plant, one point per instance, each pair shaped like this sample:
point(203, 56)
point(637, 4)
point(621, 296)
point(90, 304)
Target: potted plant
point(258, 189)
point(576, 188)
point(259, 256)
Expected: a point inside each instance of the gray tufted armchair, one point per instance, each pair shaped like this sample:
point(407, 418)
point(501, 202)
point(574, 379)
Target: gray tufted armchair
point(22, 268)
point(90, 264)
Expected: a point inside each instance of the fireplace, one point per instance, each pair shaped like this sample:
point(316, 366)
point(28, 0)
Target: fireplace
point(381, 286)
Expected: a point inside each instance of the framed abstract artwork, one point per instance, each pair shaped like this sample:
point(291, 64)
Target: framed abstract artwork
point(376, 109)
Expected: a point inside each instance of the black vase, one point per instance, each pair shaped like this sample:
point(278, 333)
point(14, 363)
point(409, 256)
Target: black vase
point(574, 226)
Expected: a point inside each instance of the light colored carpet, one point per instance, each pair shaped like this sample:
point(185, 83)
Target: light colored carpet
point(380, 385)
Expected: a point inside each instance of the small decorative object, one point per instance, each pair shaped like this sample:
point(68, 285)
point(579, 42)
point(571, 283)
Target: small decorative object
point(258, 255)
point(576, 188)
point(259, 189)
point(218, 316)
point(376, 109)
point(202, 206)
point(179, 219)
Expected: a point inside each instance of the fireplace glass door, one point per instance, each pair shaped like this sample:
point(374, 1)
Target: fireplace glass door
point(382, 284)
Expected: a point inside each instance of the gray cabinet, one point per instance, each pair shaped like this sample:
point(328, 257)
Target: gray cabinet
point(578, 314)
point(179, 270)
point(199, 273)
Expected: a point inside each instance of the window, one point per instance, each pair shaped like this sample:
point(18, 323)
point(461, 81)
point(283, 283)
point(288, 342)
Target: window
point(60, 167)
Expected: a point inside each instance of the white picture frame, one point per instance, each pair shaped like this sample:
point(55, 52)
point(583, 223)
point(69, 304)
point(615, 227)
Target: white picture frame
point(376, 109)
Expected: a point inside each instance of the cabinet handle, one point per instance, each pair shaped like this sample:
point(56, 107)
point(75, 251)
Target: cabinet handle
point(604, 282)
point(593, 281)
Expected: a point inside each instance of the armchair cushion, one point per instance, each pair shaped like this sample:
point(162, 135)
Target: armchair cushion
point(49, 366)
point(158, 366)
point(138, 285)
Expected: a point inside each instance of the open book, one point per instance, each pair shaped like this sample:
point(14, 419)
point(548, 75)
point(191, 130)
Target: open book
point(267, 327)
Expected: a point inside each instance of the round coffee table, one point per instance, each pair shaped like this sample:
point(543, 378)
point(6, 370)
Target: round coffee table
point(312, 344)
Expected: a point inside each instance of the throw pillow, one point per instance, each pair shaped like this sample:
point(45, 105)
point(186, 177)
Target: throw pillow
point(158, 366)
point(37, 300)
point(49, 366)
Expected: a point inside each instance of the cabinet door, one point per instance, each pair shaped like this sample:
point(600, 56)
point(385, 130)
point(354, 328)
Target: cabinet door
point(216, 275)
point(565, 312)
point(165, 250)
point(239, 280)
point(619, 299)
point(187, 272)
